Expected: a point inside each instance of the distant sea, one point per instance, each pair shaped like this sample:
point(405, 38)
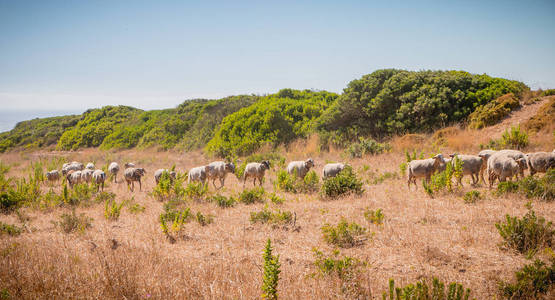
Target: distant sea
point(8, 118)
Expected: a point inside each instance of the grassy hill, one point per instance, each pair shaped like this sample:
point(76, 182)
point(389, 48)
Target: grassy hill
point(384, 103)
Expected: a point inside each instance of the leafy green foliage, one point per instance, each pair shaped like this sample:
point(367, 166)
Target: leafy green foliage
point(196, 191)
point(223, 201)
point(275, 119)
point(442, 181)
point(393, 101)
point(344, 234)
point(173, 218)
point(112, 209)
point(345, 182)
point(293, 184)
point(367, 146)
point(204, 220)
point(531, 187)
point(169, 188)
point(472, 196)
point(526, 234)
point(270, 276)
point(514, 138)
point(11, 230)
point(274, 217)
point(254, 195)
point(422, 291)
point(72, 222)
point(410, 157)
point(493, 112)
point(374, 216)
point(343, 267)
point(532, 280)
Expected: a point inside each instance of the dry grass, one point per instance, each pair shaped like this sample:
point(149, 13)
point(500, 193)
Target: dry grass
point(420, 238)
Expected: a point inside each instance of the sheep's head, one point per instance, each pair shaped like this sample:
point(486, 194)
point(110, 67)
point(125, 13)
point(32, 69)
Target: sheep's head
point(453, 155)
point(438, 159)
point(129, 165)
point(173, 174)
point(230, 167)
point(309, 163)
point(141, 171)
point(266, 164)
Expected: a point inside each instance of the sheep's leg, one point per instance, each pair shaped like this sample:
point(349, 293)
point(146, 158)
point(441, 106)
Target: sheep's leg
point(214, 183)
point(222, 181)
point(140, 185)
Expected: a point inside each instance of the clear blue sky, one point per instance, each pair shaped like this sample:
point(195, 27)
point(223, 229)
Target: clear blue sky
point(74, 55)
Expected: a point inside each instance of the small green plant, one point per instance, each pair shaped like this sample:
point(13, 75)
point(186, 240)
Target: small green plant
point(268, 216)
point(527, 234)
point(374, 217)
point(422, 291)
point(472, 197)
point(291, 183)
point(540, 188)
point(105, 196)
point(270, 276)
point(136, 208)
point(311, 182)
point(344, 183)
point(223, 201)
point(514, 138)
point(250, 196)
point(367, 146)
point(196, 191)
point(344, 234)
point(204, 220)
point(173, 218)
point(408, 158)
point(275, 199)
point(72, 222)
point(344, 267)
point(79, 195)
point(112, 209)
point(11, 230)
point(442, 181)
point(532, 280)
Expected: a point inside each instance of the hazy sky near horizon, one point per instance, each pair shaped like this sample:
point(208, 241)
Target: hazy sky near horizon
point(74, 55)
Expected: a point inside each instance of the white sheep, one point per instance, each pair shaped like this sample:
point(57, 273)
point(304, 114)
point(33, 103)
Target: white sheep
point(218, 170)
point(331, 170)
point(484, 154)
point(502, 166)
point(73, 177)
point(113, 168)
point(423, 168)
point(90, 166)
point(159, 172)
point(86, 175)
point(256, 171)
point(53, 175)
point(540, 162)
point(471, 165)
point(134, 174)
point(99, 177)
point(197, 174)
point(300, 168)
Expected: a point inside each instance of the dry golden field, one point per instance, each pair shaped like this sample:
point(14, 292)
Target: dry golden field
point(130, 258)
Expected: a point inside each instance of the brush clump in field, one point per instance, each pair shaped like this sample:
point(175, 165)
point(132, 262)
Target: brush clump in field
point(254, 195)
point(422, 291)
point(73, 223)
point(374, 216)
point(9, 229)
point(344, 267)
point(532, 281)
point(472, 197)
point(540, 188)
point(273, 217)
point(493, 112)
point(270, 277)
point(345, 182)
point(442, 181)
point(223, 201)
point(344, 234)
point(291, 183)
point(112, 209)
point(366, 146)
point(528, 234)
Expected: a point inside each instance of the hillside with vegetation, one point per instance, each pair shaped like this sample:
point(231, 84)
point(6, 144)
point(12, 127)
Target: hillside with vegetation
point(379, 105)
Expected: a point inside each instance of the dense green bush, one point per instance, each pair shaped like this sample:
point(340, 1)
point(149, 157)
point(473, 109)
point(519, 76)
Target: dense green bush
point(343, 267)
point(540, 188)
point(526, 234)
point(9, 229)
point(344, 234)
point(273, 217)
point(293, 184)
point(254, 195)
point(493, 112)
point(367, 146)
point(422, 291)
point(223, 201)
point(514, 138)
point(345, 182)
point(396, 101)
point(532, 280)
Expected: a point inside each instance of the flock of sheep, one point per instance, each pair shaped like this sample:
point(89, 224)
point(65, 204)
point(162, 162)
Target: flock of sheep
point(498, 165)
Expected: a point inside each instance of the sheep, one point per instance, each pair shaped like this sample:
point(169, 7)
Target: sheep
point(134, 174)
point(443, 165)
point(502, 166)
point(520, 158)
point(197, 174)
point(159, 172)
point(74, 165)
point(485, 154)
point(471, 165)
point(540, 162)
point(86, 175)
point(331, 170)
point(423, 168)
point(129, 165)
point(113, 168)
point(255, 170)
point(99, 177)
point(300, 168)
point(53, 175)
point(73, 177)
point(90, 166)
point(219, 170)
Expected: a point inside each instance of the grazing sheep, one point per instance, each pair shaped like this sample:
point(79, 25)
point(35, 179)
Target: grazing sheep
point(423, 168)
point(74, 165)
point(129, 165)
point(73, 177)
point(485, 154)
point(256, 171)
point(520, 158)
point(219, 170)
point(471, 166)
point(159, 172)
point(540, 162)
point(90, 166)
point(331, 170)
point(502, 166)
point(86, 175)
point(99, 177)
point(53, 175)
point(133, 174)
point(443, 165)
point(113, 168)
point(300, 168)
point(197, 174)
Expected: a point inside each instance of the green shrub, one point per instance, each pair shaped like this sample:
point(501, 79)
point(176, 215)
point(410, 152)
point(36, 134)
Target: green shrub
point(204, 220)
point(112, 209)
point(442, 181)
point(422, 291)
point(250, 196)
point(173, 218)
point(549, 92)
point(223, 201)
point(527, 234)
point(374, 217)
point(72, 222)
point(275, 199)
point(291, 183)
point(196, 191)
point(79, 195)
point(514, 138)
point(286, 182)
point(472, 196)
point(345, 182)
point(9, 229)
point(344, 234)
point(270, 276)
point(531, 187)
point(273, 217)
point(532, 281)
point(136, 208)
point(8, 203)
point(343, 267)
point(367, 146)
point(493, 112)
